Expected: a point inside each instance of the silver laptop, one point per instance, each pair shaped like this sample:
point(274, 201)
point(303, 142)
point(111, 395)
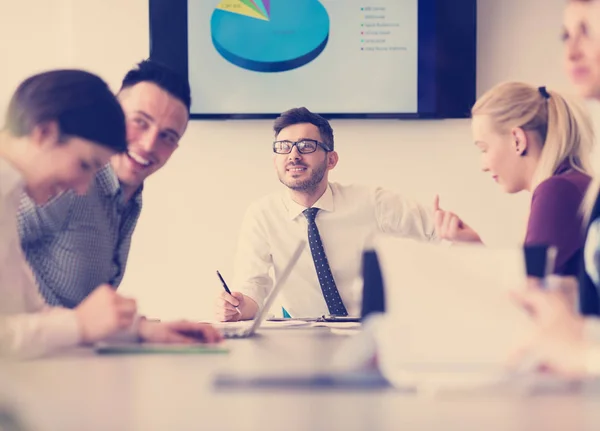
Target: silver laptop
point(264, 310)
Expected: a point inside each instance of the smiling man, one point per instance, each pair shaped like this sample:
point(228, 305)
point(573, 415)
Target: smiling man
point(75, 243)
point(336, 220)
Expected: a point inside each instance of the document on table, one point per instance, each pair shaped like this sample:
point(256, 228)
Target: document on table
point(337, 325)
point(264, 325)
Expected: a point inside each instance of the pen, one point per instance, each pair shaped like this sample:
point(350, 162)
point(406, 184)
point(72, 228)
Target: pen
point(226, 289)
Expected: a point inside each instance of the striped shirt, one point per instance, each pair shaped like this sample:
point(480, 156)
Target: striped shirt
point(75, 243)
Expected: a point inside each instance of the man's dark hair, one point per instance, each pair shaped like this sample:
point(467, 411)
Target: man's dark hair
point(303, 115)
point(80, 102)
point(157, 73)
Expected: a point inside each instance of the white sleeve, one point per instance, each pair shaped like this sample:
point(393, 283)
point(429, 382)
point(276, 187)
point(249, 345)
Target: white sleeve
point(39, 329)
point(33, 298)
point(253, 258)
point(30, 335)
point(400, 216)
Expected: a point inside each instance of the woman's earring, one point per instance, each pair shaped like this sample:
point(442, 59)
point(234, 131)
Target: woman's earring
point(524, 151)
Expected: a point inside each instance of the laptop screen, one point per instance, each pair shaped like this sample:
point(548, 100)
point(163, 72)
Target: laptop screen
point(260, 316)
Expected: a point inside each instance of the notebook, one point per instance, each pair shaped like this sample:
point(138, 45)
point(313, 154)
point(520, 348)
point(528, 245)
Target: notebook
point(152, 348)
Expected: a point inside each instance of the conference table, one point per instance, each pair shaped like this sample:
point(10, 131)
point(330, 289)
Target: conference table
point(80, 390)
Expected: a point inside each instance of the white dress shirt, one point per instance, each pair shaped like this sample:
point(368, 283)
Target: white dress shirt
point(348, 219)
point(28, 327)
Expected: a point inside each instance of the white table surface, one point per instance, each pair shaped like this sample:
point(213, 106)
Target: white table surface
point(79, 390)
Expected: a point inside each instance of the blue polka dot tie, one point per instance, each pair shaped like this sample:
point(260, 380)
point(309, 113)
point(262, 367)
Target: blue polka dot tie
point(330, 291)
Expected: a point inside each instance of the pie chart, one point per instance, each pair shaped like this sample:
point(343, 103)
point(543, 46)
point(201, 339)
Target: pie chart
point(270, 35)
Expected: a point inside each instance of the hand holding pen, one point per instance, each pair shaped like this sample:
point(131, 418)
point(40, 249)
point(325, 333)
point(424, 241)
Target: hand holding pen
point(231, 300)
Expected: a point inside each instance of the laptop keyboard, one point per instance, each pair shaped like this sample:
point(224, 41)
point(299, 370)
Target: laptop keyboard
point(232, 334)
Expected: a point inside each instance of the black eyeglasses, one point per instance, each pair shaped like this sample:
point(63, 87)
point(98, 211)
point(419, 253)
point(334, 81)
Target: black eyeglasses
point(305, 146)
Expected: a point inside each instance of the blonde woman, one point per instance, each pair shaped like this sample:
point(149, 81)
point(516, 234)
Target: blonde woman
point(533, 139)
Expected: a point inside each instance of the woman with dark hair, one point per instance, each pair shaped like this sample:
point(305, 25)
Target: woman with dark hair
point(61, 127)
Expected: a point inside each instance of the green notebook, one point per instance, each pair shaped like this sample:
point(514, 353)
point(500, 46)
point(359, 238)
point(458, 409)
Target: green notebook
point(150, 348)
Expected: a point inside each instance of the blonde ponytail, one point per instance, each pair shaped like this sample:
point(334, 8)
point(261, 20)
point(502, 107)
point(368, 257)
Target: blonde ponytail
point(564, 128)
point(569, 138)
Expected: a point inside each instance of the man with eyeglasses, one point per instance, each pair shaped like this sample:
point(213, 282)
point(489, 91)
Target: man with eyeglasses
point(336, 220)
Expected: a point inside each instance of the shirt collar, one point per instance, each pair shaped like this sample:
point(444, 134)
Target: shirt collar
point(107, 181)
point(10, 178)
point(109, 184)
point(324, 203)
point(137, 196)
